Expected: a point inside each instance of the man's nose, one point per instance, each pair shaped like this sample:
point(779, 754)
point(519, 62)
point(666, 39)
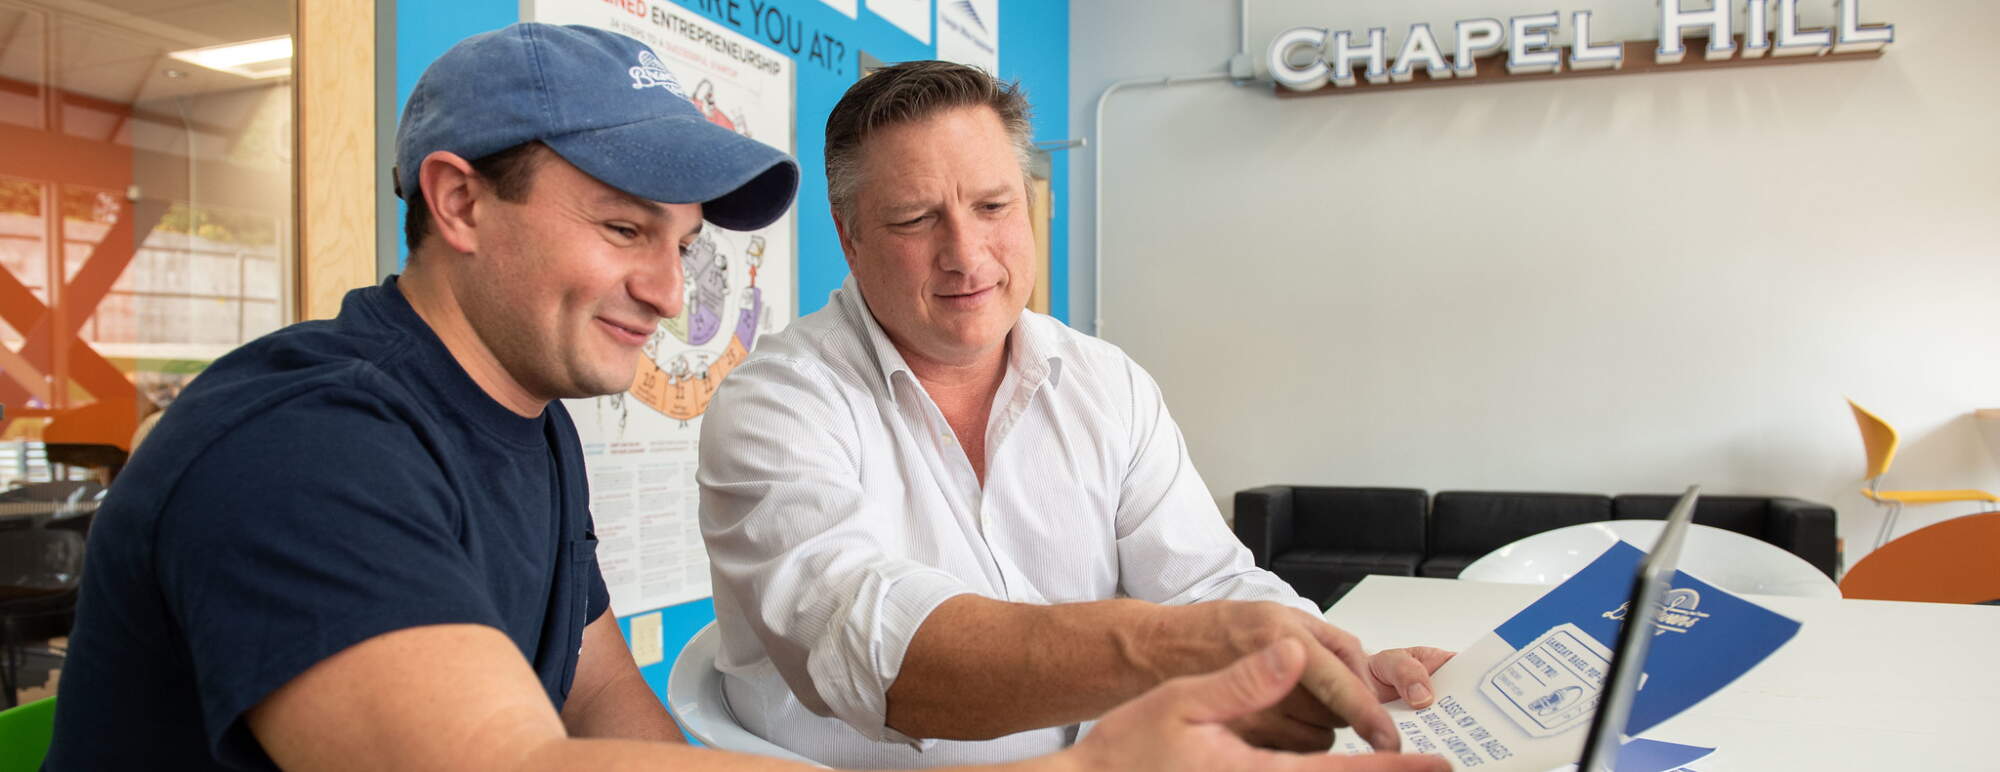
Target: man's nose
point(660, 285)
point(962, 245)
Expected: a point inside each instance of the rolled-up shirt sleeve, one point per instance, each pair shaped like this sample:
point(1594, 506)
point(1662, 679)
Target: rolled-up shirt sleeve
point(1173, 547)
point(799, 548)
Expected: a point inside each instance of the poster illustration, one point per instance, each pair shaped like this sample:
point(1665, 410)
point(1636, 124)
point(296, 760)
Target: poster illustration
point(641, 446)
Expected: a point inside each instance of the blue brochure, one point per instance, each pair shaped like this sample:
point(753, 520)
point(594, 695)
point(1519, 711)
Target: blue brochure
point(1656, 756)
point(1523, 696)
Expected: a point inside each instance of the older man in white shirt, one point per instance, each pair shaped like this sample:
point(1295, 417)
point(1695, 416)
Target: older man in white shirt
point(945, 529)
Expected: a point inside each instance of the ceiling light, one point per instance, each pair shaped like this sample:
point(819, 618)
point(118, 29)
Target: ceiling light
point(264, 58)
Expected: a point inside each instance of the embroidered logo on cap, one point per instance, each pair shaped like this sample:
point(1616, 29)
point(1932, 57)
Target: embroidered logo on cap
point(653, 72)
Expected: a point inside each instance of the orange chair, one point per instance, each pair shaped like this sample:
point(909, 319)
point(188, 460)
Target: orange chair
point(1956, 561)
point(1879, 438)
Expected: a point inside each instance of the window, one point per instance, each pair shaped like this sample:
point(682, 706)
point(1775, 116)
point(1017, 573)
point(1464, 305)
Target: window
point(146, 214)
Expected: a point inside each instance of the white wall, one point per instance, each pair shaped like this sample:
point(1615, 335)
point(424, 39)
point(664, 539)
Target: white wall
point(1614, 285)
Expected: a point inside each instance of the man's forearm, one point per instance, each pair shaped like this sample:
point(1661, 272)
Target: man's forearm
point(584, 755)
point(624, 707)
point(979, 668)
point(608, 697)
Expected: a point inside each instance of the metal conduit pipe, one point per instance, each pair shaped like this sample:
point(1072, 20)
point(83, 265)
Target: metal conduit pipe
point(1239, 72)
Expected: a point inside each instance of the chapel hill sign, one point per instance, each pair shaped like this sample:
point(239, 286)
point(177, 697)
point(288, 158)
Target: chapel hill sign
point(1726, 33)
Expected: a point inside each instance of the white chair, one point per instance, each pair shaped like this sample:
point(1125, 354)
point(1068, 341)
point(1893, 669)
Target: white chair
point(694, 694)
point(1726, 559)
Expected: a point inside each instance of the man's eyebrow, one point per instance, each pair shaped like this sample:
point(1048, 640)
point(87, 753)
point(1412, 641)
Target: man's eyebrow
point(996, 191)
point(616, 197)
point(906, 205)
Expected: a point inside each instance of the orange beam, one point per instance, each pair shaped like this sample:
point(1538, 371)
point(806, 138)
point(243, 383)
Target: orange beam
point(46, 155)
point(120, 109)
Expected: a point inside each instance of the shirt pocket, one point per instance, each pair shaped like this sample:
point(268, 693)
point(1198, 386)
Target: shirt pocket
point(582, 564)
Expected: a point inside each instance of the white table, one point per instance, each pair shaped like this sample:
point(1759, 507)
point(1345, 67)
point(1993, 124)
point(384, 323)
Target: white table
point(1865, 685)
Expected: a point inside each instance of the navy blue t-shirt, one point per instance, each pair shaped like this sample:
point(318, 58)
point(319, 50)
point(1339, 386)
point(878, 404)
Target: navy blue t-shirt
point(320, 486)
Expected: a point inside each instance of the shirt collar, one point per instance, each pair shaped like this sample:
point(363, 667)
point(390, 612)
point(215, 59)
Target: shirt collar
point(1032, 356)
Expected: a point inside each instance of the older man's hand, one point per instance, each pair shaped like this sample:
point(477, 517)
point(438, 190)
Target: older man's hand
point(1340, 684)
point(1180, 725)
point(1405, 674)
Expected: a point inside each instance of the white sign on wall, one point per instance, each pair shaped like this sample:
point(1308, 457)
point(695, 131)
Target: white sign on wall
point(844, 6)
point(1310, 58)
point(968, 32)
point(912, 16)
point(641, 447)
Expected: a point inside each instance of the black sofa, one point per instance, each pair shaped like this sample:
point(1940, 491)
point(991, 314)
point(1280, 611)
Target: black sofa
point(1324, 539)
point(1465, 525)
point(1800, 527)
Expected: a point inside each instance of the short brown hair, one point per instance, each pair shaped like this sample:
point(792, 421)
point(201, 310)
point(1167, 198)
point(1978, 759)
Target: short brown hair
point(913, 91)
point(512, 172)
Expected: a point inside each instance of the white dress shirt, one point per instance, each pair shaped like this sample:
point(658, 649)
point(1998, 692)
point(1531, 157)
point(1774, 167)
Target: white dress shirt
point(839, 511)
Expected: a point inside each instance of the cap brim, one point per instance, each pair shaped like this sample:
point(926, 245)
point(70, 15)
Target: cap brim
point(742, 184)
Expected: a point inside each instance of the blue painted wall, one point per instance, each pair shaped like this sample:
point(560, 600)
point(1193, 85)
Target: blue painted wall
point(1034, 49)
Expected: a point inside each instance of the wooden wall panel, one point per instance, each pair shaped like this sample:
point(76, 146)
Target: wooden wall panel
point(335, 67)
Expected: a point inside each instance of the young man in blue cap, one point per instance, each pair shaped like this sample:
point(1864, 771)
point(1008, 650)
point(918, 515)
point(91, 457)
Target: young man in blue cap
point(365, 543)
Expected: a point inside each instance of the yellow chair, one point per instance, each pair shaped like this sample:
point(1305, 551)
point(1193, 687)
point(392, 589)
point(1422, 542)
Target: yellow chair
point(1879, 438)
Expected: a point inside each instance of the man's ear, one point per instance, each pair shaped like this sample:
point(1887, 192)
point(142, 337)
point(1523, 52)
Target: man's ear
point(841, 227)
point(451, 187)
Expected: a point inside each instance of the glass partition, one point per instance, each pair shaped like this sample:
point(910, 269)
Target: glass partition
point(146, 213)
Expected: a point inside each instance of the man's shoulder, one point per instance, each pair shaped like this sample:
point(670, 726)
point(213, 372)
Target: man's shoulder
point(309, 392)
point(303, 357)
point(1094, 363)
point(361, 358)
point(1069, 340)
point(251, 427)
point(825, 346)
point(818, 372)
point(305, 370)
point(244, 435)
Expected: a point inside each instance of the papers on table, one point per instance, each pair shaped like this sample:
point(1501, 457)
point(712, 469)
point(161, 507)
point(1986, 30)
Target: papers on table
point(1523, 695)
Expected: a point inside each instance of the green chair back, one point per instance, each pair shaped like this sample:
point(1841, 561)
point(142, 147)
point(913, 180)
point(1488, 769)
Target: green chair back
point(24, 735)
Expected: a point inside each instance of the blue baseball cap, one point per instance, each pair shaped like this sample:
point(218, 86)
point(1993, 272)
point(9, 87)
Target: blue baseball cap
point(606, 104)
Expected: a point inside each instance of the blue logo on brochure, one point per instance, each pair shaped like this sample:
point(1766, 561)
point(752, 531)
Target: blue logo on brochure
point(1677, 615)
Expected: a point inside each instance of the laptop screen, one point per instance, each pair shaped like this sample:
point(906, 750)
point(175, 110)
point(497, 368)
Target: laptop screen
point(1628, 658)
